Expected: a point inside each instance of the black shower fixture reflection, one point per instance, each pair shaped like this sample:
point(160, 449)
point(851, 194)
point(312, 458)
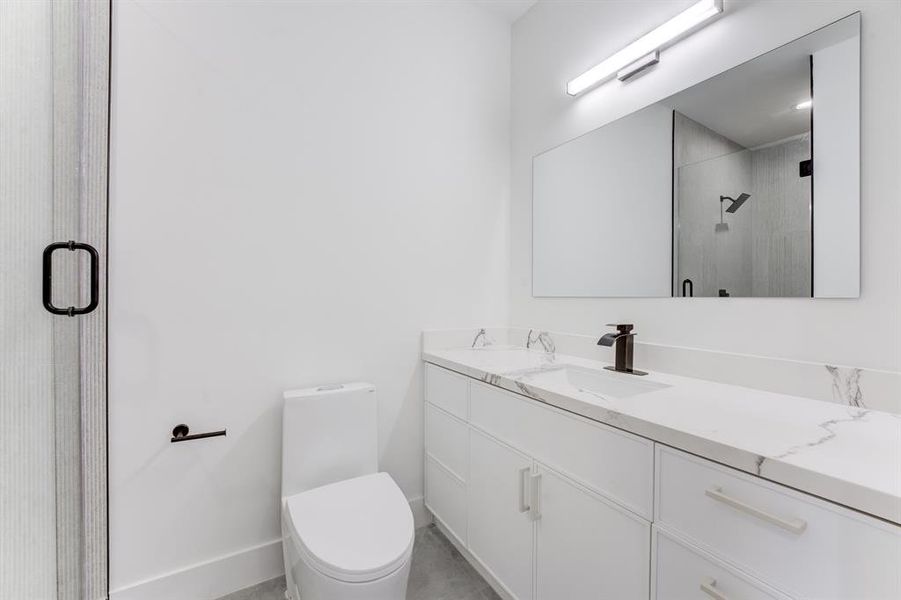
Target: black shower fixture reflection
point(736, 202)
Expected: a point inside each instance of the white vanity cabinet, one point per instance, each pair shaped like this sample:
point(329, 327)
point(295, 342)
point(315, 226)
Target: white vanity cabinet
point(500, 524)
point(447, 449)
point(585, 545)
point(804, 546)
point(551, 505)
point(556, 505)
point(684, 571)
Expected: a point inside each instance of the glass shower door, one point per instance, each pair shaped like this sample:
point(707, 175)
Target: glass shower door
point(53, 169)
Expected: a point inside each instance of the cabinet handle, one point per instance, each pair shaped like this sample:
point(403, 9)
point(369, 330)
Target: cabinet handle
point(708, 586)
point(796, 526)
point(535, 496)
point(521, 500)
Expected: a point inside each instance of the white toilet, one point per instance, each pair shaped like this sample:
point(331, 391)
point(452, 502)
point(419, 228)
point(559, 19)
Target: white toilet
point(347, 530)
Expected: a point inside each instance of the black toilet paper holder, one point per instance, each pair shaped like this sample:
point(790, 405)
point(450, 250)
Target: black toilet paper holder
point(182, 433)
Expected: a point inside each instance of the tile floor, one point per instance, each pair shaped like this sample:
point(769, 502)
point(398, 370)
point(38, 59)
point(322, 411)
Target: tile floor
point(438, 572)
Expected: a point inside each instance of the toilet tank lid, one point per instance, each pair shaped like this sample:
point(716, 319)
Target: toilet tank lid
point(354, 530)
point(328, 389)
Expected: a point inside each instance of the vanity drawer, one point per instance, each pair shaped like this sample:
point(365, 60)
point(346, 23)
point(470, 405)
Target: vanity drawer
point(613, 463)
point(448, 390)
point(681, 571)
point(808, 547)
point(447, 441)
point(445, 497)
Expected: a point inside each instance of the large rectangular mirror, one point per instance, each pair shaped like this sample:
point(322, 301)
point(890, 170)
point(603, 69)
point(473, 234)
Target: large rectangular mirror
point(746, 184)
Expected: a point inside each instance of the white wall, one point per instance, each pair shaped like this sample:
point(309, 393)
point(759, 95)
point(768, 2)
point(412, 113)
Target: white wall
point(556, 41)
point(602, 210)
point(298, 189)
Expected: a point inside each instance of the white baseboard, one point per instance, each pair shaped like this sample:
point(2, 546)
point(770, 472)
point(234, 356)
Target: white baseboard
point(211, 579)
point(221, 576)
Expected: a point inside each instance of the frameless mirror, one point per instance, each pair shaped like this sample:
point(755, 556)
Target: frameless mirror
point(746, 184)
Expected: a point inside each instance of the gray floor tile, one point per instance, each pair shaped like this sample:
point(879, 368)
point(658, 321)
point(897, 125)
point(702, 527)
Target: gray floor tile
point(438, 572)
point(274, 589)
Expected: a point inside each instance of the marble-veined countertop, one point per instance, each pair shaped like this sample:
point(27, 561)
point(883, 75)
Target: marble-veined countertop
point(848, 455)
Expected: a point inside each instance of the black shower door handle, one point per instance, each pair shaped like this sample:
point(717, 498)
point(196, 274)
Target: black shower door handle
point(48, 278)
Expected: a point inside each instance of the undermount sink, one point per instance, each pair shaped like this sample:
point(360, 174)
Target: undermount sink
point(604, 383)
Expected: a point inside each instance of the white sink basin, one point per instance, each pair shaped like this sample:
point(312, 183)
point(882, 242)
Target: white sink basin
point(603, 383)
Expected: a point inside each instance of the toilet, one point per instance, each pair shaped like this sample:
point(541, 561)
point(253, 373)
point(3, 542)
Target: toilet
point(347, 530)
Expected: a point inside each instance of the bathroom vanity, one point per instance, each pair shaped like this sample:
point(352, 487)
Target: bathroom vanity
point(558, 479)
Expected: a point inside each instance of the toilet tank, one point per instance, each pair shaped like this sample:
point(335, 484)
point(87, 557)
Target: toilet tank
point(329, 433)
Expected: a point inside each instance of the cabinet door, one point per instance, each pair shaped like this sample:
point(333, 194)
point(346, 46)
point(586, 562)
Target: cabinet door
point(500, 527)
point(587, 547)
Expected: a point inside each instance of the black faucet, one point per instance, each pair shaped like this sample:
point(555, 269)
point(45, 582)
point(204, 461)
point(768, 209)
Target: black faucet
point(624, 339)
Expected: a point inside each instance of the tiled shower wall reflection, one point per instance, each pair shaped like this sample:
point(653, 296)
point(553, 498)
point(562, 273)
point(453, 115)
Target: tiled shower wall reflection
point(763, 249)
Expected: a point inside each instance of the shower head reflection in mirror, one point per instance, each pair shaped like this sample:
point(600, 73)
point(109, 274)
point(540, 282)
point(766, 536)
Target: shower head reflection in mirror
point(736, 202)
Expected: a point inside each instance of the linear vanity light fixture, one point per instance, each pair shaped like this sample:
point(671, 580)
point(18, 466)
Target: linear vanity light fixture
point(643, 52)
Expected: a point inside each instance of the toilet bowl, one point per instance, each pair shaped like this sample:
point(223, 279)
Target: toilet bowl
point(347, 530)
point(350, 540)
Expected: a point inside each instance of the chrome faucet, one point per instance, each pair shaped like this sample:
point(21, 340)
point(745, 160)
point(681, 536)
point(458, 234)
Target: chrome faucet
point(483, 335)
point(546, 341)
point(624, 338)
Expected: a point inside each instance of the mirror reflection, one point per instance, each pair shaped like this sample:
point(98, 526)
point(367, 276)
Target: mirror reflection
point(746, 184)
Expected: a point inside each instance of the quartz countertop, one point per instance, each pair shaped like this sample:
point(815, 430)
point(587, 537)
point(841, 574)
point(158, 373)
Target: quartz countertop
point(848, 455)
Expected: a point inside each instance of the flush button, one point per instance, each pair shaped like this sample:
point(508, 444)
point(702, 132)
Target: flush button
point(329, 388)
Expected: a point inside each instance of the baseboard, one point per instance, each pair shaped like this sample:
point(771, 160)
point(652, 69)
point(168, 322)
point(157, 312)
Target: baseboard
point(221, 576)
point(421, 516)
point(211, 579)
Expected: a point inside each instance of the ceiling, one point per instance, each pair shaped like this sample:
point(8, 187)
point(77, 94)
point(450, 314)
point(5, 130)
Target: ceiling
point(509, 10)
point(754, 103)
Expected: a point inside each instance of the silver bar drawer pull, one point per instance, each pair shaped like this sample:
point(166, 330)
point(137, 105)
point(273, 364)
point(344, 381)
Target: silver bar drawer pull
point(521, 485)
point(796, 526)
point(708, 586)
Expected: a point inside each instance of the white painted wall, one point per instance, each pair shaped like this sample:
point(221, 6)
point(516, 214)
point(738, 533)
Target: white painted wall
point(602, 210)
point(298, 189)
point(556, 41)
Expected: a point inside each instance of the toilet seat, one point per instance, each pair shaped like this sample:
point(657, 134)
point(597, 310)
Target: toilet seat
point(355, 530)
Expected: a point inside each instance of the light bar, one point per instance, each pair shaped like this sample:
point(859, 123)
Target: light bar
point(669, 31)
point(803, 105)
